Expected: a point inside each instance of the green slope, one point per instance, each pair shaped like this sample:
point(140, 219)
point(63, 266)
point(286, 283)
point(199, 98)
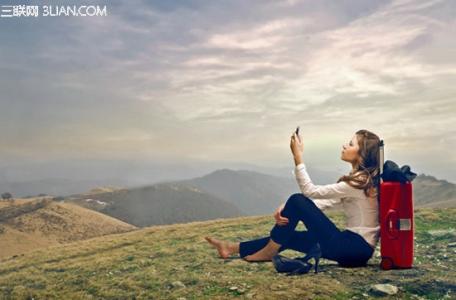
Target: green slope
point(175, 262)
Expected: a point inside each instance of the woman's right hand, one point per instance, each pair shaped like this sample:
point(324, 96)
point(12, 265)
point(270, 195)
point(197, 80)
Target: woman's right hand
point(279, 219)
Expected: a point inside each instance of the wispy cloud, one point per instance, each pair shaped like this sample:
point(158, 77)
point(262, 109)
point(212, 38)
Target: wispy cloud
point(221, 81)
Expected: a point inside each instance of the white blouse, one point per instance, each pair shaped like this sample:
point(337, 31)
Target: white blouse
point(361, 211)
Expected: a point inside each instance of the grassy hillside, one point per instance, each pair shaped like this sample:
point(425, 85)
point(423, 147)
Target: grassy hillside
point(175, 262)
point(28, 224)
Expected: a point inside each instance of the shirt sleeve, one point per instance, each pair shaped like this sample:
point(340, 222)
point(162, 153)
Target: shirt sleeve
point(324, 196)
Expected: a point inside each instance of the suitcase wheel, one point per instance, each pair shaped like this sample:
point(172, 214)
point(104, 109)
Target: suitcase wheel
point(386, 264)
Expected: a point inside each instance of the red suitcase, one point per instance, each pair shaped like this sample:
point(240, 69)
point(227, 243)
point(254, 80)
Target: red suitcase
point(396, 222)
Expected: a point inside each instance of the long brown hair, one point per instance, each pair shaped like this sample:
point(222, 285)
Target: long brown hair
point(366, 174)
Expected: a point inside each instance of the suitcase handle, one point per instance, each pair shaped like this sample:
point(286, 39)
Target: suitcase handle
point(391, 224)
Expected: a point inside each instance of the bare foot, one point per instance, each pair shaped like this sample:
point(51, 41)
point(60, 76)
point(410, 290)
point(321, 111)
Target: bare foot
point(223, 247)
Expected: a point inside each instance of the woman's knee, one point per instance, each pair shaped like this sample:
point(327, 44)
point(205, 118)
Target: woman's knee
point(297, 198)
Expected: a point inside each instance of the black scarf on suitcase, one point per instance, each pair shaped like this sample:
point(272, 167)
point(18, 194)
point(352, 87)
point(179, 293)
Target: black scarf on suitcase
point(392, 172)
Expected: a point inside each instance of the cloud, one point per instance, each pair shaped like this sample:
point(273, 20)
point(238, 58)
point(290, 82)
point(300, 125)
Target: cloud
point(244, 71)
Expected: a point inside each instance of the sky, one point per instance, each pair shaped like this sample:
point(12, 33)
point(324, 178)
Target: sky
point(228, 81)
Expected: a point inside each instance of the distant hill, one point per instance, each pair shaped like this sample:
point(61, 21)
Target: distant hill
point(27, 224)
point(66, 177)
point(162, 203)
point(224, 193)
point(252, 192)
point(256, 193)
point(53, 186)
point(431, 192)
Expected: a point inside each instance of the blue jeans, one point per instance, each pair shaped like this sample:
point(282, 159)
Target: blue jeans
point(346, 247)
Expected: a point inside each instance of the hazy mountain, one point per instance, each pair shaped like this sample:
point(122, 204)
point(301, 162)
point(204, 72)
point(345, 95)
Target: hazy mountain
point(54, 186)
point(219, 194)
point(225, 193)
point(161, 203)
point(432, 192)
point(253, 193)
point(66, 177)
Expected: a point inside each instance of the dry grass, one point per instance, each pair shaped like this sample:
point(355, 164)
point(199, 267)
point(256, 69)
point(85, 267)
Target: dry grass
point(174, 261)
point(29, 224)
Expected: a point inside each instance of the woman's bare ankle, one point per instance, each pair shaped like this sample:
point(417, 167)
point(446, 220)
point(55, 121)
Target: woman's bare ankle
point(233, 247)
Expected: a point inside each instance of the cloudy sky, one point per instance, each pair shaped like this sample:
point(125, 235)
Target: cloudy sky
point(228, 81)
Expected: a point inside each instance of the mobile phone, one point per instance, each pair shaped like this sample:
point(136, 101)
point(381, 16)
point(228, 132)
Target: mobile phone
point(297, 130)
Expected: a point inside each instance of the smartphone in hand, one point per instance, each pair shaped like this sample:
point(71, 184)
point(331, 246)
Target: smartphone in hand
point(297, 133)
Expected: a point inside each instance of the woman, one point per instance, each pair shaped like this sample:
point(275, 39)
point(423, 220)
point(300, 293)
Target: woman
point(356, 192)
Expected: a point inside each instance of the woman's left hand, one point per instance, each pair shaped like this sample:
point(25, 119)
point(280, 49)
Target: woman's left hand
point(296, 145)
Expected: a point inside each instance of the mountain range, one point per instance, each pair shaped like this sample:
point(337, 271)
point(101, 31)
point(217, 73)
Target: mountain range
point(224, 193)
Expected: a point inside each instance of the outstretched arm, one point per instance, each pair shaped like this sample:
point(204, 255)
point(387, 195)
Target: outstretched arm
point(329, 191)
point(325, 195)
